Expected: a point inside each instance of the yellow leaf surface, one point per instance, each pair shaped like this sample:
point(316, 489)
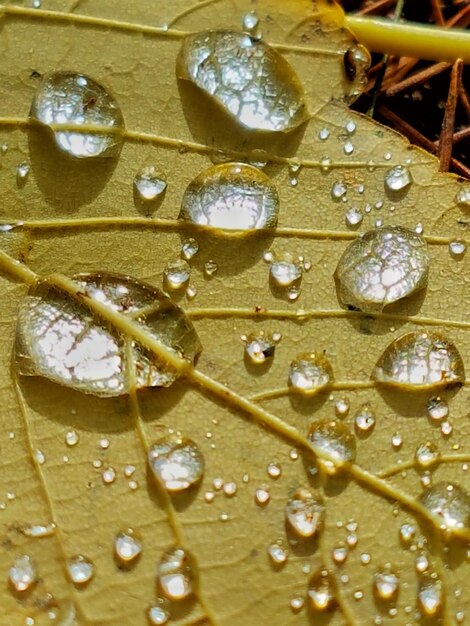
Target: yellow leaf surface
point(71, 217)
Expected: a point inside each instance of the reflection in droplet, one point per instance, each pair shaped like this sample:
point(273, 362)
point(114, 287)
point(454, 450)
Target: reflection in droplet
point(353, 217)
point(177, 462)
point(320, 591)
point(80, 569)
point(426, 454)
point(305, 513)
point(277, 553)
point(127, 546)
point(356, 65)
point(364, 419)
point(397, 179)
point(286, 272)
point(72, 438)
point(450, 503)
point(259, 347)
point(57, 336)
point(333, 438)
point(430, 596)
point(66, 99)
point(175, 574)
point(189, 248)
point(157, 614)
point(22, 573)
point(233, 196)
point(149, 184)
point(437, 408)
point(176, 274)
point(381, 267)
point(386, 585)
point(251, 81)
point(338, 190)
point(457, 248)
point(309, 373)
point(420, 360)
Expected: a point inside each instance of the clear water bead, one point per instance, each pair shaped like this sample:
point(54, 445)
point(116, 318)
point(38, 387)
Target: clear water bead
point(250, 23)
point(66, 101)
point(72, 438)
point(457, 248)
point(23, 573)
point(210, 268)
point(397, 179)
point(426, 454)
point(249, 79)
point(420, 360)
point(232, 196)
point(323, 134)
point(285, 271)
point(386, 585)
point(22, 170)
point(176, 274)
point(175, 574)
point(177, 462)
point(189, 249)
point(277, 554)
point(437, 408)
point(157, 614)
point(462, 197)
point(309, 373)
point(320, 591)
point(338, 190)
point(305, 513)
point(450, 504)
point(407, 533)
point(80, 569)
point(430, 596)
point(364, 419)
point(381, 267)
point(127, 546)
point(353, 217)
point(334, 439)
point(149, 184)
point(259, 347)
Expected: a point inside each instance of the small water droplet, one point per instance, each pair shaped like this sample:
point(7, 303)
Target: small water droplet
point(353, 217)
point(277, 553)
point(274, 470)
point(320, 591)
point(421, 563)
point(250, 23)
point(420, 360)
point(407, 533)
point(450, 504)
point(365, 558)
point(230, 489)
point(176, 274)
point(386, 585)
point(457, 248)
point(305, 513)
point(72, 438)
point(191, 292)
point(296, 603)
point(80, 569)
point(22, 171)
point(356, 62)
point(397, 441)
point(175, 574)
point(463, 196)
point(338, 190)
point(430, 596)
point(382, 266)
point(108, 475)
point(364, 420)
point(335, 440)
point(426, 454)
point(149, 184)
point(350, 127)
point(309, 373)
point(324, 133)
point(259, 347)
point(65, 99)
point(348, 148)
point(210, 268)
point(157, 614)
point(177, 462)
point(254, 83)
point(339, 554)
point(286, 272)
point(189, 248)
point(234, 196)
point(437, 408)
point(325, 163)
point(127, 546)
point(23, 573)
point(262, 496)
point(341, 407)
point(446, 428)
point(397, 179)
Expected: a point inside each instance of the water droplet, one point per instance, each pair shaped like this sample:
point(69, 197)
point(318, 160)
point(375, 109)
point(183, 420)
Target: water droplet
point(386, 585)
point(157, 614)
point(274, 470)
point(22, 170)
point(430, 596)
point(446, 428)
point(277, 554)
point(253, 82)
point(348, 148)
point(320, 591)
point(296, 603)
point(176, 274)
point(80, 569)
point(407, 533)
point(305, 513)
point(323, 134)
point(189, 249)
point(309, 373)
point(191, 292)
point(450, 504)
point(353, 217)
point(397, 441)
point(250, 23)
point(23, 573)
point(177, 462)
point(58, 338)
point(149, 184)
point(259, 347)
point(365, 558)
point(421, 563)
point(457, 248)
point(234, 196)
point(338, 190)
point(262, 496)
point(341, 408)
point(72, 438)
point(39, 530)
point(364, 419)
point(397, 179)
point(437, 408)
point(339, 554)
point(426, 454)
point(175, 574)
point(356, 65)
point(210, 268)
point(334, 439)
point(463, 196)
point(108, 475)
point(66, 99)
point(286, 272)
point(420, 360)
point(381, 267)
point(127, 546)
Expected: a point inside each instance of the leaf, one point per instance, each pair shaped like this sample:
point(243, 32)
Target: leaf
point(64, 499)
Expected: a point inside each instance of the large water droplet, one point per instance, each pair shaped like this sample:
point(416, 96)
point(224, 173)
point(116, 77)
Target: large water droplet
point(127, 546)
point(80, 569)
point(356, 65)
point(309, 373)
point(23, 573)
point(66, 99)
point(386, 585)
point(397, 179)
point(334, 439)
point(58, 338)
point(320, 591)
point(177, 462)
point(251, 81)
point(381, 267)
point(450, 503)
point(149, 184)
point(305, 513)
point(234, 196)
point(420, 360)
point(175, 574)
